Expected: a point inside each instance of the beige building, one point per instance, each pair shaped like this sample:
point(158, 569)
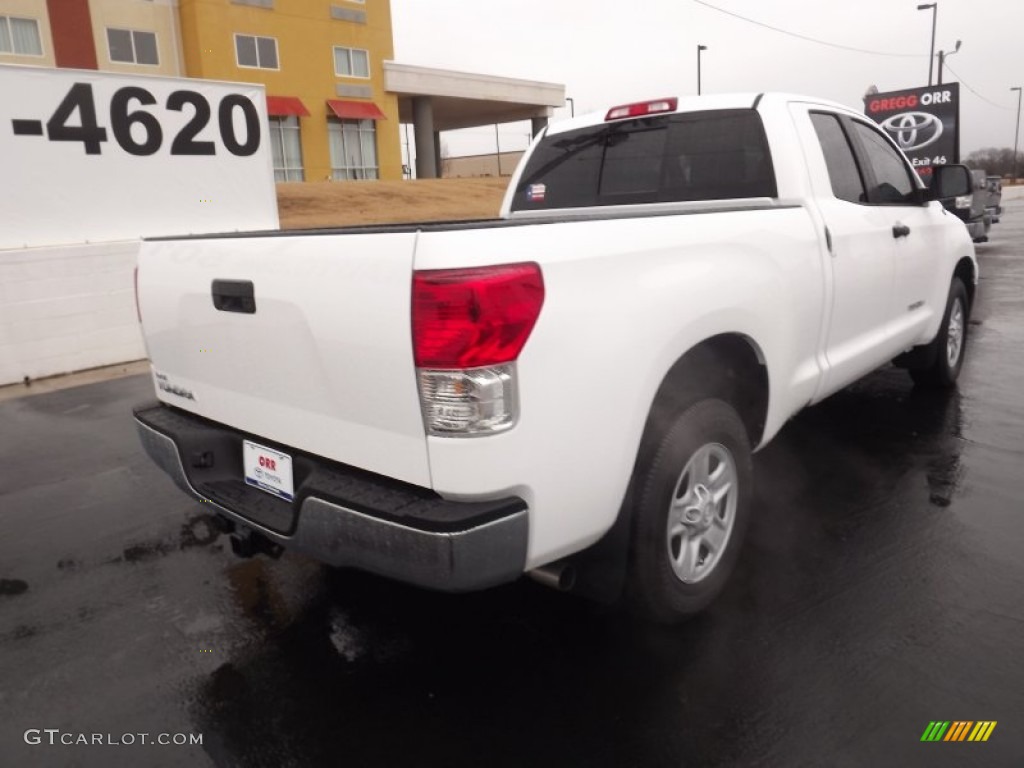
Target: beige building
point(137, 37)
point(25, 36)
point(480, 165)
point(132, 36)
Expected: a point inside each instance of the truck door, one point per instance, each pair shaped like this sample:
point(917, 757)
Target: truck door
point(861, 249)
point(919, 285)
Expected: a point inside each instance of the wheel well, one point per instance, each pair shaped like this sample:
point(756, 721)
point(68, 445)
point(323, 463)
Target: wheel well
point(965, 271)
point(729, 367)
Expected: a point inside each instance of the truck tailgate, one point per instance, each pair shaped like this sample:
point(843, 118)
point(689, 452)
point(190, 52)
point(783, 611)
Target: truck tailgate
point(324, 364)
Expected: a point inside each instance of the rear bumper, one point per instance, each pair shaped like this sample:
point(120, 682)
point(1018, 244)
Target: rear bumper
point(341, 515)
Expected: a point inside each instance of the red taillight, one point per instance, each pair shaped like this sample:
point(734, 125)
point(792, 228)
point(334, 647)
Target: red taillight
point(135, 280)
point(466, 318)
point(642, 108)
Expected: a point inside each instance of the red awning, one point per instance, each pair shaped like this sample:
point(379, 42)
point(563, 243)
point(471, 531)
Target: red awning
point(286, 106)
point(355, 110)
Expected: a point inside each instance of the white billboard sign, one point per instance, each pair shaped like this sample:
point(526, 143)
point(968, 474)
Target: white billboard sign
point(92, 157)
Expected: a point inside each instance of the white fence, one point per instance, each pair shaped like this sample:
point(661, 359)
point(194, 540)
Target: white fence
point(67, 308)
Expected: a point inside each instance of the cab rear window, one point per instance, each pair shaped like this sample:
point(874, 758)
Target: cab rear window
point(713, 155)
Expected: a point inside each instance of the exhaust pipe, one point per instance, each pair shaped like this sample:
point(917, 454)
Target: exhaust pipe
point(559, 575)
point(246, 543)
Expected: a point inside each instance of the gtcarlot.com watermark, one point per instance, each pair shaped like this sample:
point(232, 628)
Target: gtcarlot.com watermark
point(55, 737)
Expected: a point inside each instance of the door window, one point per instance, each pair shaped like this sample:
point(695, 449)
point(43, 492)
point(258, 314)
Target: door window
point(892, 183)
point(843, 172)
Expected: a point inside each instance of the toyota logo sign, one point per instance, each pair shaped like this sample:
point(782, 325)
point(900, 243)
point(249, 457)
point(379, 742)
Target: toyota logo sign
point(924, 122)
point(913, 130)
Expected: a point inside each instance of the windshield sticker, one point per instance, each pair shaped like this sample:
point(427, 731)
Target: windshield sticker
point(535, 193)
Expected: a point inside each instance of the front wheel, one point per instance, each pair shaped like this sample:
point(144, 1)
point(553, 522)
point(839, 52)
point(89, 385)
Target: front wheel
point(691, 512)
point(947, 352)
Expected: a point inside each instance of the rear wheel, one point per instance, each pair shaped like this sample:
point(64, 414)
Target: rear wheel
point(691, 511)
point(947, 352)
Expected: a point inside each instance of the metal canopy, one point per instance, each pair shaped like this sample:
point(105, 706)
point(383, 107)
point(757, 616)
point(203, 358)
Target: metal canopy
point(465, 100)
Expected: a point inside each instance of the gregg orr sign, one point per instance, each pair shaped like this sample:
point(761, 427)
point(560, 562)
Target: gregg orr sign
point(924, 123)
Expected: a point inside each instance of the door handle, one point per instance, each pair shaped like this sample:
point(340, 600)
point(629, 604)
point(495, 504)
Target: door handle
point(900, 230)
point(234, 296)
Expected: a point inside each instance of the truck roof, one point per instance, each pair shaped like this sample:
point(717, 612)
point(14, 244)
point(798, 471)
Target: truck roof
point(745, 100)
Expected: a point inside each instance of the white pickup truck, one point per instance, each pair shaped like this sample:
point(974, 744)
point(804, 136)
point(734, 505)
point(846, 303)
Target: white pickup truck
point(575, 389)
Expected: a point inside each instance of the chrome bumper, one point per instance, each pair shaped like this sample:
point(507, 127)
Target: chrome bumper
point(444, 545)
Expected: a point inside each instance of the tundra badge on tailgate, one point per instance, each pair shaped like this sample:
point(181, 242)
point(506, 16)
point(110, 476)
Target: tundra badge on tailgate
point(165, 384)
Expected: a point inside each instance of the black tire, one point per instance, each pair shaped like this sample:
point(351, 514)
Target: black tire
point(707, 428)
point(942, 371)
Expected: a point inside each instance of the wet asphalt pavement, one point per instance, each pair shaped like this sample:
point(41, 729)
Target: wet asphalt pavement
point(881, 588)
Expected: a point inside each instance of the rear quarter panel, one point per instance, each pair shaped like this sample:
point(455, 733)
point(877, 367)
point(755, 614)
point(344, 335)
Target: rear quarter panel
point(625, 299)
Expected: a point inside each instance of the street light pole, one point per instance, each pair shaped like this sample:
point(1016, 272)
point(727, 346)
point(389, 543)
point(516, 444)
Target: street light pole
point(931, 57)
point(1016, 133)
point(699, 49)
point(572, 106)
point(497, 144)
point(943, 55)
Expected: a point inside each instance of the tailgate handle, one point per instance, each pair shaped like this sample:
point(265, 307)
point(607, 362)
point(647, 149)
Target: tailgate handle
point(234, 296)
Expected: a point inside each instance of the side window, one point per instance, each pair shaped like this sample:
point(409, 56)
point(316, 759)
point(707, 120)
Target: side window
point(847, 183)
point(893, 184)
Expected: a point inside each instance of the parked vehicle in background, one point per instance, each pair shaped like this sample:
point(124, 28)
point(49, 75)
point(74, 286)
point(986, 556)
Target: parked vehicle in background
point(994, 200)
point(572, 391)
point(970, 208)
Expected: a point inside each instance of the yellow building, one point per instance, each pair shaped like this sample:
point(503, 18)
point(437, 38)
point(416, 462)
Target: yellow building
point(321, 61)
point(323, 67)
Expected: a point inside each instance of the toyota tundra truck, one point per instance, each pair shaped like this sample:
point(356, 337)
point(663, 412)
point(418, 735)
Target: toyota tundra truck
point(575, 389)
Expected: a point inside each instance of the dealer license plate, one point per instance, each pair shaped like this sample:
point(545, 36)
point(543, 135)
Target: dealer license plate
point(268, 470)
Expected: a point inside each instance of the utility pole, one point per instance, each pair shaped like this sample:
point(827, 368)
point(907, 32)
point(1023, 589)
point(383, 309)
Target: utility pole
point(572, 106)
point(408, 152)
point(935, 14)
point(699, 49)
point(1016, 133)
point(943, 55)
point(497, 143)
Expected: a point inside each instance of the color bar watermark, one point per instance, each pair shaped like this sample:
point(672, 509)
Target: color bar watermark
point(958, 730)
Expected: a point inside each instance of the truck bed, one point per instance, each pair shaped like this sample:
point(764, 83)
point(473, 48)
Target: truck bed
point(518, 220)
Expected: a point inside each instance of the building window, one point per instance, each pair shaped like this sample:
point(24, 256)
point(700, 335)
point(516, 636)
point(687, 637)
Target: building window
point(132, 47)
point(286, 147)
point(20, 36)
point(353, 149)
point(351, 62)
point(256, 52)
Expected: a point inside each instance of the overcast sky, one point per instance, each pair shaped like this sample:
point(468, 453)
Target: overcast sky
point(608, 52)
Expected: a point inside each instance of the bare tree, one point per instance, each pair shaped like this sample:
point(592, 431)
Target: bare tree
point(995, 161)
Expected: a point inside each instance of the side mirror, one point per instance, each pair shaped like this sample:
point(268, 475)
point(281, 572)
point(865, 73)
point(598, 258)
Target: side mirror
point(950, 181)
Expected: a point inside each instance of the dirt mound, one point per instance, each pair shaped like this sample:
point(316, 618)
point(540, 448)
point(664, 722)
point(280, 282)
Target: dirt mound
point(338, 204)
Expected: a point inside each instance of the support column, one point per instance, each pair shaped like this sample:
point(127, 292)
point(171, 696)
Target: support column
point(437, 154)
point(423, 125)
point(538, 124)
